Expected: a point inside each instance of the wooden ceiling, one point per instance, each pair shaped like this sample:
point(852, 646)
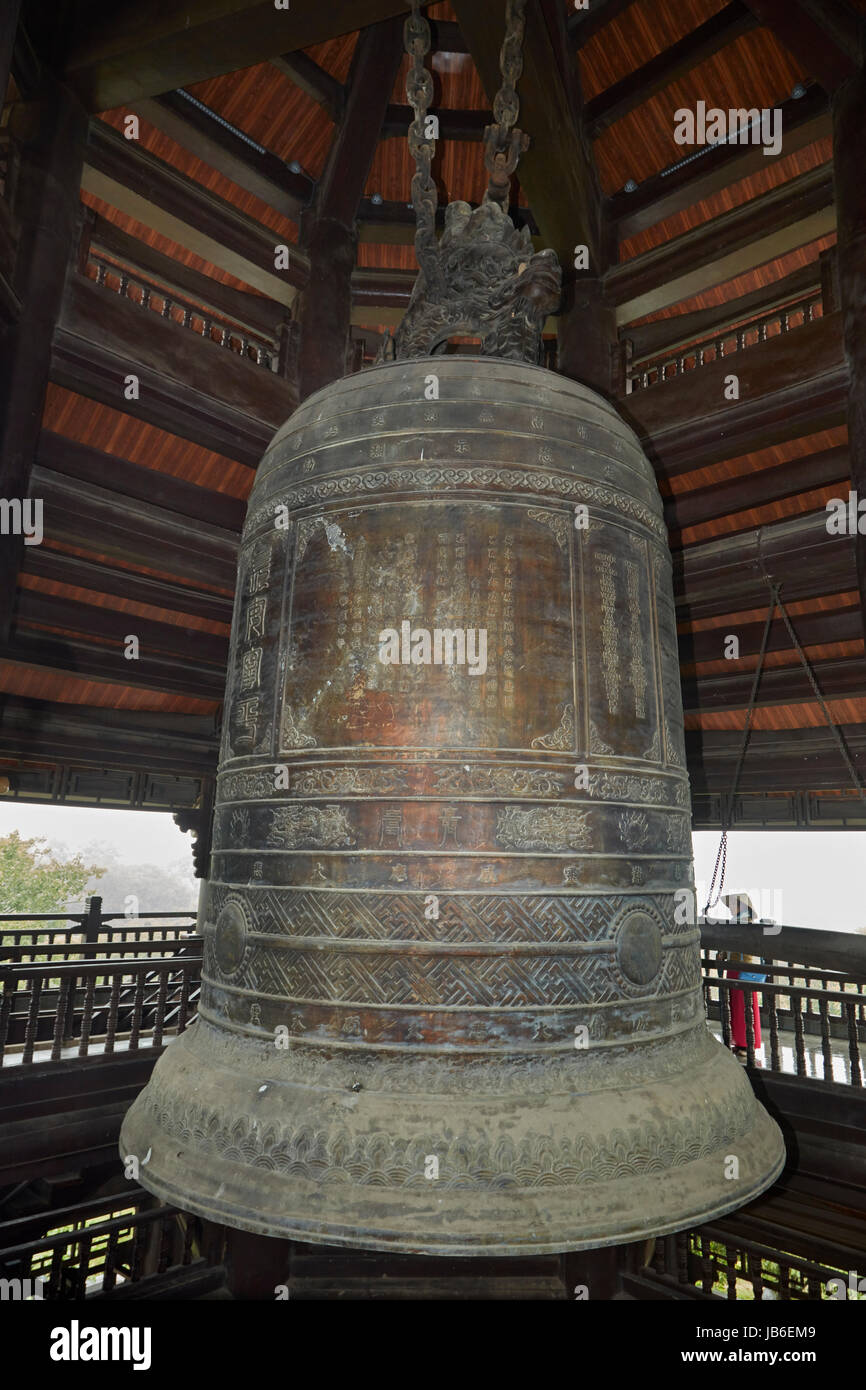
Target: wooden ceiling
point(678, 62)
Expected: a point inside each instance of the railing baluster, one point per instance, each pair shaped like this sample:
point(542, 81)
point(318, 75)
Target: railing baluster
point(749, 1019)
point(797, 1008)
point(826, 1049)
point(775, 1055)
point(162, 996)
point(114, 1002)
point(86, 1015)
point(60, 1019)
point(138, 1001)
point(32, 1028)
point(853, 1045)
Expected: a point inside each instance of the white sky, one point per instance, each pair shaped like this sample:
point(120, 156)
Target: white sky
point(140, 837)
point(801, 878)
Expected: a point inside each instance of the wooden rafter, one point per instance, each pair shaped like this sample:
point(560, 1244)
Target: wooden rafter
point(825, 36)
point(666, 67)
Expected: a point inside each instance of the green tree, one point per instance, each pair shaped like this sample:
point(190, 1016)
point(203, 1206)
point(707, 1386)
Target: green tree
point(33, 880)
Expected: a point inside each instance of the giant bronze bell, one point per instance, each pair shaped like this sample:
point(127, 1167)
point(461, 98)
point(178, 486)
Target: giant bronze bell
point(451, 996)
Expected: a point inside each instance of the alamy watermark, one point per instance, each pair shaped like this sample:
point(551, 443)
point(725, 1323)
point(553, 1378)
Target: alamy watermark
point(738, 126)
point(441, 646)
point(22, 517)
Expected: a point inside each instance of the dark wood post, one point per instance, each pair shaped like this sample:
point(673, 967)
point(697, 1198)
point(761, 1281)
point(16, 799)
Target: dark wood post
point(50, 128)
point(328, 228)
point(849, 119)
point(8, 30)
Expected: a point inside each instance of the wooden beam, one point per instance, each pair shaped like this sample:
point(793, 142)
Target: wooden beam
point(250, 310)
point(34, 609)
point(124, 55)
point(453, 125)
point(728, 574)
point(447, 37)
point(824, 38)
point(586, 22)
point(803, 121)
point(318, 84)
point(65, 655)
point(557, 172)
point(89, 465)
point(780, 685)
point(652, 339)
point(328, 229)
point(187, 385)
point(831, 466)
point(153, 192)
point(50, 133)
point(849, 114)
point(107, 737)
point(796, 759)
point(245, 162)
point(123, 583)
point(672, 63)
point(813, 629)
point(91, 518)
point(762, 230)
point(791, 385)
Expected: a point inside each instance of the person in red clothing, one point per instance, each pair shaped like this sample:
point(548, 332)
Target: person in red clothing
point(741, 909)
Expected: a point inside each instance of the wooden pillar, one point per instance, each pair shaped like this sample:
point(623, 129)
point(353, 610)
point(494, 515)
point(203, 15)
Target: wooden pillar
point(325, 309)
point(51, 130)
point(8, 30)
point(255, 1265)
point(587, 334)
point(328, 229)
point(849, 120)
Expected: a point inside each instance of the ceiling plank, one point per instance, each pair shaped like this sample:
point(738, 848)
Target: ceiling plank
point(756, 489)
point(716, 33)
point(592, 15)
point(824, 37)
point(314, 81)
point(247, 164)
point(153, 192)
point(790, 216)
point(803, 121)
point(56, 565)
point(664, 335)
point(130, 52)
point(89, 465)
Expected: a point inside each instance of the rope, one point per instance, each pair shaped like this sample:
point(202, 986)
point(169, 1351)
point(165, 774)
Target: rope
point(727, 813)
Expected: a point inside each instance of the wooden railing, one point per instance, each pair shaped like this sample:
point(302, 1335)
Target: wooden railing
point(812, 1007)
point(95, 983)
point(712, 1262)
point(148, 293)
point(666, 366)
point(107, 1247)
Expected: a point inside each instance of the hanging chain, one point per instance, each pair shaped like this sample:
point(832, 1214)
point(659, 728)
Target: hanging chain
point(728, 811)
point(419, 90)
point(503, 144)
point(856, 780)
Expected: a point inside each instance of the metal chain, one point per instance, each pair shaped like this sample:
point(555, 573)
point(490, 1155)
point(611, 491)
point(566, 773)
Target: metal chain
point(728, 811)
point(503, 145)
point(722, 856)
point(419, 90)
point(834, 729)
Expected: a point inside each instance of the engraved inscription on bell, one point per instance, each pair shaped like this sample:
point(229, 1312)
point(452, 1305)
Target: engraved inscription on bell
point(448, 912)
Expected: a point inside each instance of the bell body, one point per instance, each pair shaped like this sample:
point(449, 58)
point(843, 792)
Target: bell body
point(451, 996)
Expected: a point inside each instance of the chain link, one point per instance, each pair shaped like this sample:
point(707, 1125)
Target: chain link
point(419, 91)
point(503, 144)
